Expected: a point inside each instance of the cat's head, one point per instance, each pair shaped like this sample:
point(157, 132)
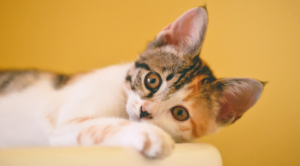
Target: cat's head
point(170, 86)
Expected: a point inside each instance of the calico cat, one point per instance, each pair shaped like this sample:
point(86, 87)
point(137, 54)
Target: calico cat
point(168, 95)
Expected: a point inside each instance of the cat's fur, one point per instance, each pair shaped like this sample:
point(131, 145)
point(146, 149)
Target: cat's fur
point(114, 106)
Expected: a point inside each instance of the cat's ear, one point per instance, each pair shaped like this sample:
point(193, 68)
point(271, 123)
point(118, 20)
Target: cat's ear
point(185, 34)
point(235, 96)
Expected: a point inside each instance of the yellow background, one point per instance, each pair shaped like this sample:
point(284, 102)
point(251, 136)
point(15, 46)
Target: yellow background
point(245, 38)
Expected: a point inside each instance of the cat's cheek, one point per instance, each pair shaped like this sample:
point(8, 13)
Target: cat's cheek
point(133, 106)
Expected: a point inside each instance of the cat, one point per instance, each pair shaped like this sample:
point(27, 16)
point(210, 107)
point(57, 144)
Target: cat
point(167, 95)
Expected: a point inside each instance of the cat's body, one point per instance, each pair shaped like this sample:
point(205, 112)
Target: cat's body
point(27, 118)
point(169, 86)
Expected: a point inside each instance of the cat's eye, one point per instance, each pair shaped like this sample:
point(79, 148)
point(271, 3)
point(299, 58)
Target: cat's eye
point(180, 113)
point(152, 81)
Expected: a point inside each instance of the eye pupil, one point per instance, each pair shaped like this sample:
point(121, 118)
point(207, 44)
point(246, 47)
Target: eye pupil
point(153, 81)
point(180, 112)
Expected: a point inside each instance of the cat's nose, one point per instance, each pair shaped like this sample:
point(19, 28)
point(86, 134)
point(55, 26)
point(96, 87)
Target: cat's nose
point(145, 114)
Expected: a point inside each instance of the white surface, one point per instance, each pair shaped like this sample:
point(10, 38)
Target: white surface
point(189, 154)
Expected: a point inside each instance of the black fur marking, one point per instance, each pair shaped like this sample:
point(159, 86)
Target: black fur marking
point(183, 73)
point(142, 65)
point(170, 76)
point(206, 70)
point(136, 82)
point(15, 80)
point(186, 79)
point(61, 80)
point(132, 87)
point(195, 69)
point(128, 78)
point(7, 81)
point(150, 95)
point(219, 85)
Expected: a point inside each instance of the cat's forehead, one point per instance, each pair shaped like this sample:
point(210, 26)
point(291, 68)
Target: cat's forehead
point(161, 61)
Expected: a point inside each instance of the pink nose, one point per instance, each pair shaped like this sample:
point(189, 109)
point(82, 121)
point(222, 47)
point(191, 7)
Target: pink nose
point(146, 106)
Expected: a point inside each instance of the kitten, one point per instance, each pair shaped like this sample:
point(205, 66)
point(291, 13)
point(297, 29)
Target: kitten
point(169, 94)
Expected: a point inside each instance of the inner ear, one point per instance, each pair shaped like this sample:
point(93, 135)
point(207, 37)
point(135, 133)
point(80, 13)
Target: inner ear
point(235, 96)
point(186, 33)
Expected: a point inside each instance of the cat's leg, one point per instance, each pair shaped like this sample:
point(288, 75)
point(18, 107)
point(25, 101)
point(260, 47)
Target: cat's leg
point(148, 139)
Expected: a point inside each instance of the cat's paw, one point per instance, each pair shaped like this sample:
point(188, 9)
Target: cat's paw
point(157, 143)
point(151, 140)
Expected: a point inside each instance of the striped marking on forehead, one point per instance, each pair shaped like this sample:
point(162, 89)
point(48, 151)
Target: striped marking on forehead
point(188, 74)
